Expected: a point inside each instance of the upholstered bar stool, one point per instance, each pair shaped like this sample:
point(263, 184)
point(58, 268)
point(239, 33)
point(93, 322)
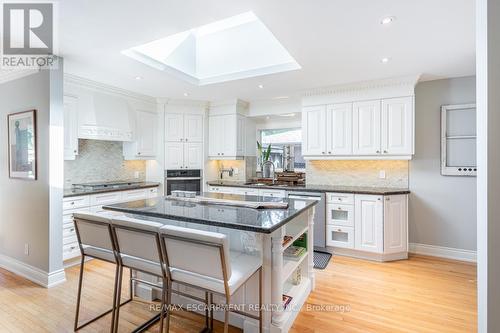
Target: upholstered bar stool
point(95, 239)
point(138, 248)
point(201, 259)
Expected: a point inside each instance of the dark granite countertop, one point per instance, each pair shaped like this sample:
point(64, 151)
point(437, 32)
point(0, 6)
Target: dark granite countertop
point(241, 218)
point(75, 192)
point(318, 188)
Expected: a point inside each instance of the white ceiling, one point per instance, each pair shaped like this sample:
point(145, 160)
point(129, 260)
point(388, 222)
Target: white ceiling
point(334, 41)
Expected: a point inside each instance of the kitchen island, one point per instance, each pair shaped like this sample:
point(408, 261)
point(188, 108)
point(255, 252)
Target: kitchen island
point(257, 232)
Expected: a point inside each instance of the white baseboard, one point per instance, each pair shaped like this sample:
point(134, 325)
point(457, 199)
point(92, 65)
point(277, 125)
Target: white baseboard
point(443, 252)
point(34, 274)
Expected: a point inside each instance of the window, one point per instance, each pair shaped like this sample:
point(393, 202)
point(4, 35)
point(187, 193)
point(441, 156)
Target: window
point(278, 139)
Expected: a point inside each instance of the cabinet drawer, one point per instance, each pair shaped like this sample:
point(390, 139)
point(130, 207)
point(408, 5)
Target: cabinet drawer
point(99, 210)
point(76, 202)
point(272, 193)
point(342, 215)
point(340, 198)
point(71, 250)
point(222, 189)
point(152, 192)
point(340, 236)
point(245, 191)
point(68, 214)
point(134, 195)
point(105, 198)
point(70, 239)
point(69, 230)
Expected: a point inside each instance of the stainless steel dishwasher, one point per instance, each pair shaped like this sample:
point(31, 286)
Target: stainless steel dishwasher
point(319, 215)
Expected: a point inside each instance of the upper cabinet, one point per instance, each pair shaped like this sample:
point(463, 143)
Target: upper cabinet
point(70, 127)
point(375, 129)
point(184, 141)
point(226, 135)
point(145, 137)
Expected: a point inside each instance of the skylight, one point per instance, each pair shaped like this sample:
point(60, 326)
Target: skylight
point(238, 47)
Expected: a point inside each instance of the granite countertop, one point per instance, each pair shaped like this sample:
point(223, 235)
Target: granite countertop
point(241, 218)
point(76, 192)
point(317, 188)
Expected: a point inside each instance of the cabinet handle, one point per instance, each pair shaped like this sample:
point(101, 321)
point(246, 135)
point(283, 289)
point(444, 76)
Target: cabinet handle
point(339, 230)
point(72, 203)
point(74, 151)
point(322, 152)
point(139, 153)
point(329, 152)
point(182, 139)
point(340, 208)
point(378, 199)
point(387, 199)
point(222, 153)
point(339, 199)
point(186, 139)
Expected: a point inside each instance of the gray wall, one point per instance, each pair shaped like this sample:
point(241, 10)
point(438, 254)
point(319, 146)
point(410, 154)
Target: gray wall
point(442, 210)
point(32, 210)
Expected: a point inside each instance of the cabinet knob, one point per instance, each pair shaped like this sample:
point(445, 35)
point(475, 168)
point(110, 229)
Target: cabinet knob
point(340, 208)
point(74, 151)
point(322, 152)
point(387, 199)
point(186, 139)
point(139, 153)
point(222, 153)
point(339, 230)
point(378, 199)
point(378, 151)
point(182, 139)
point(385, 151)
point(329, 152)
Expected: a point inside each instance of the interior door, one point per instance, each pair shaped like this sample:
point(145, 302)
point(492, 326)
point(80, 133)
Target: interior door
point(314, 135)
point(174, 127)
point(397, 126)
point(339, 129)
point(146, 129)
point(369, 223)
point(366, 128)
point(193, 128)
point(174, 155)
point(193, 155)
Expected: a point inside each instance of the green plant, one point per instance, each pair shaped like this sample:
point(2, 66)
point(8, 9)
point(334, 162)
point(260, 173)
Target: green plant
point(264, 154)
point(267, 154)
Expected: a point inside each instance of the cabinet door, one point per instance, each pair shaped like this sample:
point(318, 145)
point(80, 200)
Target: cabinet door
point(397, 126)
point(339, 129)
point(366, 128)
point(174, 155)
point(240, 136)
point(70, 127)
point(174, 127)
point(215, 135)
point(193, 128)
point(369, 223)
point(193, 155)
point(314, 130)
point(395, 224)
point(146, 129)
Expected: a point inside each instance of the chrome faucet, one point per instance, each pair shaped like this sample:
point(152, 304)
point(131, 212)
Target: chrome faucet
point(274, 169)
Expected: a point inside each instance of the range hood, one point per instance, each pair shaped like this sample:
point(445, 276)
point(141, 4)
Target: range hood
point(106, 117)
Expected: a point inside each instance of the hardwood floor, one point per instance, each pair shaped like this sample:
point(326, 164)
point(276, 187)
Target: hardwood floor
point(422, 294)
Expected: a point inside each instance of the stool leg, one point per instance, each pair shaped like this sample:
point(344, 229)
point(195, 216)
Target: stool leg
point(226, 314)
point(211, 310)
point(79, 293)
point(260, 300)
point(169, 301)
point(163, 301)
point(117, 295)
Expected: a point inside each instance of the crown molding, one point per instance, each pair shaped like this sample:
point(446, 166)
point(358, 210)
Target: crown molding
point(10, 75)
point(185, 102)
point(384, 88)
point(98, 86)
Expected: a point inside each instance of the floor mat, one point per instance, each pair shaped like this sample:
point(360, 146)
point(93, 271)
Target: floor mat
point(321, 259)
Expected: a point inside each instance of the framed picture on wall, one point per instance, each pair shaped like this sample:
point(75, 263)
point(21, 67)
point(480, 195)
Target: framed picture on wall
point(22, 145)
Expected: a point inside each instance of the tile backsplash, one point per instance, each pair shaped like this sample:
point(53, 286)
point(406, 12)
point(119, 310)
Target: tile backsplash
point(358, 173)
point(101, 161)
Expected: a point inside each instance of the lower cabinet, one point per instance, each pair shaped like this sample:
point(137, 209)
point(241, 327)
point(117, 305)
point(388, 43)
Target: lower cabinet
point(369, 223)
point(93, 203)
point(247, 191)
point(340, 236)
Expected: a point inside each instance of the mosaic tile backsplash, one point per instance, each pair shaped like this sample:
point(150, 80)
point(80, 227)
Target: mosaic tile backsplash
point(358, 173)
point(101, 161)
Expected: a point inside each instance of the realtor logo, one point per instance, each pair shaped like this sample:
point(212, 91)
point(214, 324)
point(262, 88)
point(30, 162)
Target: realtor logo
point(28, 35)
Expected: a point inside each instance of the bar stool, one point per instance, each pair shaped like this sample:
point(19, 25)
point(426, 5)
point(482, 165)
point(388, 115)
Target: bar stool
point(201, 259)
point(95, 240)
point(138, 248)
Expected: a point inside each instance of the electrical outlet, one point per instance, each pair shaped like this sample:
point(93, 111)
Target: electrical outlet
point(136, 174)
point(26, 249)
point(381, 174)
point(236, 171)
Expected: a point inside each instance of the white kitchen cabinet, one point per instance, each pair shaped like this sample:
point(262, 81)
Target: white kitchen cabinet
point(221, 189)
point(395, 224)
point(339, 129)
point(340, 236)
point(70, 127)
point(245, 191)
point(272, 193)
point(397, 126)
point(226, 136)
point(314, 130)
point(145, 137)
point(366, 128)
point(369, 223)
point(174, 127)
point(152, 192)
point(174, 155)
point(193, 128)
point(193, 155)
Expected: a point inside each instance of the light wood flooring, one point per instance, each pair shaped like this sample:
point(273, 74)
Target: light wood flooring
point(422, 294)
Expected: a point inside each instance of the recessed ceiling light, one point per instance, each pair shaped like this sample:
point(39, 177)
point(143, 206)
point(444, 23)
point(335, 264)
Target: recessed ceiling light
point(387, 20)
point(138, 77)
point(186, 94)
point(385, 60)
point(261, 86)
